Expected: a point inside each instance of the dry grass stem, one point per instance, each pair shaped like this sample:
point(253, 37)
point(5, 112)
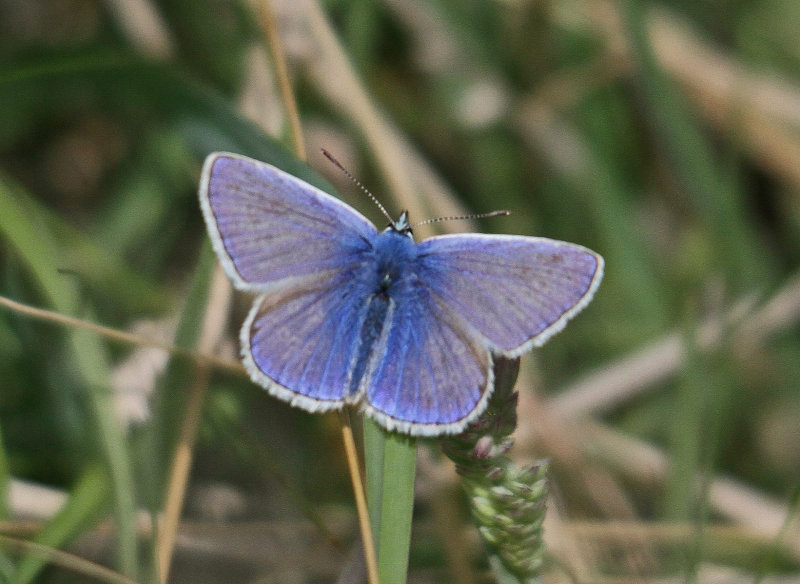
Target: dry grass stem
point(211, 331)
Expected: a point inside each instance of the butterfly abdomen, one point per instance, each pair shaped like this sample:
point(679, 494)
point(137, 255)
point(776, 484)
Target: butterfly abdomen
point(390, 277)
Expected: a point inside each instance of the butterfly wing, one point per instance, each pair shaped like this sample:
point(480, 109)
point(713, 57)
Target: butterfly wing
point(301, 346)
point(429, 374)
point(297, 246)
point(514, 291)
point(474, 295)
point(271, 228)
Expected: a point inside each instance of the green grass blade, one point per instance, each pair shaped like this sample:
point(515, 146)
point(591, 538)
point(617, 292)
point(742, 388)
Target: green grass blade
point(397, 506)
point(86, 500)
point(5, 478)
point(6, 565)
point(26, 232)
point(374, 448)
point(130, 86)
point(713, 193)
point(390, 461)
point(170, 397)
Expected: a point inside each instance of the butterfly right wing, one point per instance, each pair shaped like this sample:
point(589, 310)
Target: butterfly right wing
point(298, 247)
point(472, 296)
point(512, 290)
point(269, 227)
point(427, 375)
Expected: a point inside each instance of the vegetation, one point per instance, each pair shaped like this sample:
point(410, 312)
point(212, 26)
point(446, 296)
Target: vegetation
point(666, 136)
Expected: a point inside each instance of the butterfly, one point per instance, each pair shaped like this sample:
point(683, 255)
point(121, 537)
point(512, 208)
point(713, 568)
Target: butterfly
point(347, 314)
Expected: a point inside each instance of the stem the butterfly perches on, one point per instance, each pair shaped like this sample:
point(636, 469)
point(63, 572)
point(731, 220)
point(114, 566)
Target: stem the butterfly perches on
point(390, 461)
point(507, 502)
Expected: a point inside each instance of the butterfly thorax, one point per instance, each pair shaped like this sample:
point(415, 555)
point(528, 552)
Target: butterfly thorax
point(395, 258)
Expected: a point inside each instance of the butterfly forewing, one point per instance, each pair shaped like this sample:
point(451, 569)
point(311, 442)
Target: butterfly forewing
point(515, 291)
point(267, 225)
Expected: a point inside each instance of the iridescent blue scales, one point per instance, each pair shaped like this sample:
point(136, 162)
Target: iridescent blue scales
point(346, 314)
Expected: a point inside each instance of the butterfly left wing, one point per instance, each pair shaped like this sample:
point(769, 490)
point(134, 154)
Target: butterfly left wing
point(270, 228)
point(298, 247)
point(514, 291)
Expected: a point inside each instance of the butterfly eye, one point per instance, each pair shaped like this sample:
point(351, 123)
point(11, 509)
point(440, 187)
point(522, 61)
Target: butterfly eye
point(402, 225)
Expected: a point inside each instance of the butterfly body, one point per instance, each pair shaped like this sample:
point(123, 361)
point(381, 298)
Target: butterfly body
point(385, 277)
point(349, 315)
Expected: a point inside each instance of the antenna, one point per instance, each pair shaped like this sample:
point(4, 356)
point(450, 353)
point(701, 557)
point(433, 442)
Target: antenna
point(349, 175)
point(463, 217)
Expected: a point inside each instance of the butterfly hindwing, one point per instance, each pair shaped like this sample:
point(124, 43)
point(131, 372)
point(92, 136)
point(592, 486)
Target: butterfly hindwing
point(429, 375)
point(301, 345)
point(268, 226)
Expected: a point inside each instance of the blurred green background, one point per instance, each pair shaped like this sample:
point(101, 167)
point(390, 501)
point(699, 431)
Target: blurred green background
point(664, 135)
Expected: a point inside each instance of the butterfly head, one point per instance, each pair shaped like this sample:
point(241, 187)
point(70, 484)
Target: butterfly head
point(401, 225)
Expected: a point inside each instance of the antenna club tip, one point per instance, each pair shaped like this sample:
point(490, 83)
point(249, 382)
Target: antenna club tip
point(333, 159)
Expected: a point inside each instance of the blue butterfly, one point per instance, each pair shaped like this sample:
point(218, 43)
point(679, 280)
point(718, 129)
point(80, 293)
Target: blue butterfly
point(346, 314)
